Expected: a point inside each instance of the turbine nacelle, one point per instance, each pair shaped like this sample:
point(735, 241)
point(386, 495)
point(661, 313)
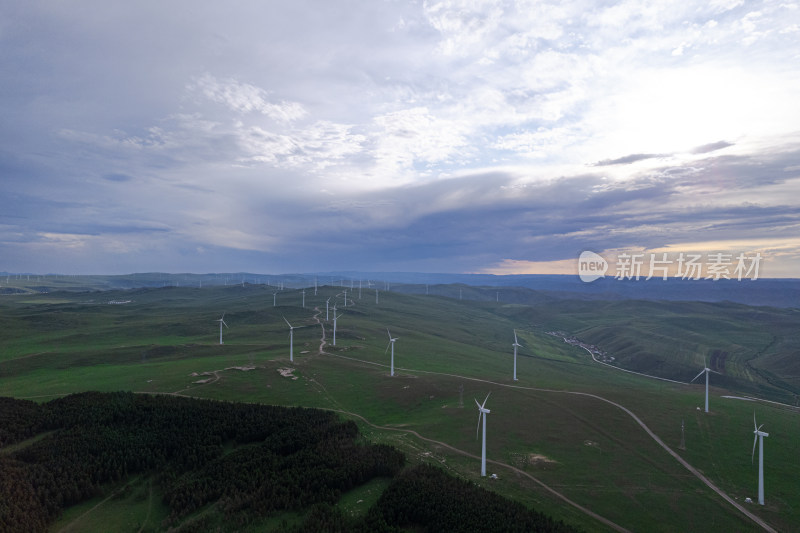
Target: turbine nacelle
point(756, 433)
point(391, 341)
point(482, 410)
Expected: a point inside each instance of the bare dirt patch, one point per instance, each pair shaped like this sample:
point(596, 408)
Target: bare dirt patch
point(287, 372)
point(537, 458)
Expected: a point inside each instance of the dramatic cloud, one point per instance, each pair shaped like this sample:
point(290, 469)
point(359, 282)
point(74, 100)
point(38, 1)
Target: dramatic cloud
point(439, 135)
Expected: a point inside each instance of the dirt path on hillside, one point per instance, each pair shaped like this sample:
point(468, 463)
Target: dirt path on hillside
point(554, 492)
point(322, 341)
point(627, 411)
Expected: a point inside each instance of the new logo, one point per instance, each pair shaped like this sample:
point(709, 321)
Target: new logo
point(591, 266)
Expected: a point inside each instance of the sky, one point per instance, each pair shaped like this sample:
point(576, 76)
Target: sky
point(385, 135)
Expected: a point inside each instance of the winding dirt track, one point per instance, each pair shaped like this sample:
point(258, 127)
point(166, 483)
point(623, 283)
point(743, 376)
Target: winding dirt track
point(627, 411)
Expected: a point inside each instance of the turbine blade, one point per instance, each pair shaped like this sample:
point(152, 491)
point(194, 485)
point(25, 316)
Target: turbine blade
point(515, 337)
point(287, 322)
point(390, 335)
point(752, 455)
point(478, 429)
point(698, 375)
point(387, 348)
point(484, 400)
point(226, 325)
point(755, 425)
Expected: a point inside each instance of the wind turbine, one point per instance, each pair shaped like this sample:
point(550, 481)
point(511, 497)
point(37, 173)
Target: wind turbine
point(304, 298)
point(334, 324)
point(376, 296)
point(515, 345)
point(706, 370)
point(482, 412)
point(345, 297)
point(326, 309)
point(759, 438)
point(274, 296)
point(291, 339)
point(221, 322)
point(391, 342)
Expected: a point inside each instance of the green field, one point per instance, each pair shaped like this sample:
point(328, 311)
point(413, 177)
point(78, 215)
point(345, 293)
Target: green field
point(546, 425)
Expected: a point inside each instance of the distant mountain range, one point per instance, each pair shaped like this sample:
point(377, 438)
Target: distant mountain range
point(765, 292)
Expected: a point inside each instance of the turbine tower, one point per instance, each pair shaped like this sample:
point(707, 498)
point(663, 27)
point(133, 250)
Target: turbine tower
point(334, 324)
point(759, 438)
point(391, 343)
point(482, 412)
point(291, 339)
point(274, 295)
point(326, 309)
point(304, 298)
point(706, 370)
point(221, 322)
point(515, 345)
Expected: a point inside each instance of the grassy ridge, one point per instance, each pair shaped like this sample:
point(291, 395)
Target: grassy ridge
point(592, 452)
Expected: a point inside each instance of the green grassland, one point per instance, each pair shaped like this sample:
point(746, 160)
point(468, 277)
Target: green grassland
point(449, 351)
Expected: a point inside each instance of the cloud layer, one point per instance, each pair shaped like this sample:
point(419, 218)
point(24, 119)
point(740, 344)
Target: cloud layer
point(432, 136)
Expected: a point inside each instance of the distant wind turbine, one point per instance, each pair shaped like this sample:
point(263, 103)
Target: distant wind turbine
point(304, 298)
point(376, 296)
point(515, 345)
point(706, 370)
point(759, 438)
point(274, 296)
point(326, 309)
point(315, 285)
point(345, 297)
point(221, 322)
point(482, 412)
point(391, 343)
